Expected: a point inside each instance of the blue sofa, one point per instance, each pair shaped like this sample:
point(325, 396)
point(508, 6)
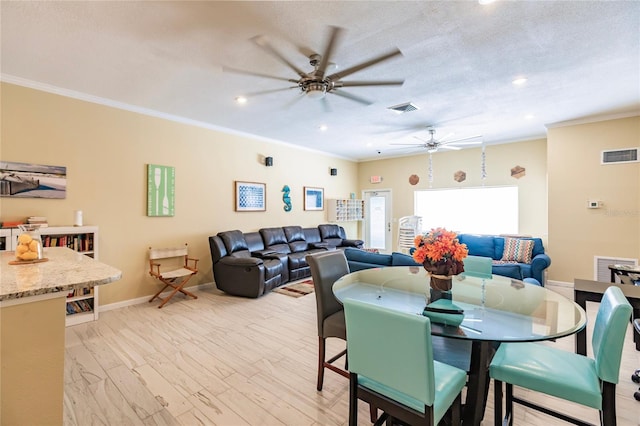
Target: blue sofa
point(361, 259)
point(493, 247)
point(478, 245)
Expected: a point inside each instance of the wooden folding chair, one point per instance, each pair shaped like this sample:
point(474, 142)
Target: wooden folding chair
point(175, 278)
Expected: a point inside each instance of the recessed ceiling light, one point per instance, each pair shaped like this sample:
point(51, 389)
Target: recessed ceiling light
point(519, 81)
point(483, 2)
point(241, 100)
point(322, 127)
point(529, 117)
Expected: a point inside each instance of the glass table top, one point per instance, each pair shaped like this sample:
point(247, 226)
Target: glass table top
point(497, 309)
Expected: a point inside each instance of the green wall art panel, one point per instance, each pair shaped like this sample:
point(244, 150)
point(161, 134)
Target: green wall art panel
point(160, 190)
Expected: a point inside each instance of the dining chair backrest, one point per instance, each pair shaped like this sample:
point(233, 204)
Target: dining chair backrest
point(478, 266)
point(326, 268)
point(392, 348)
point(609, 332)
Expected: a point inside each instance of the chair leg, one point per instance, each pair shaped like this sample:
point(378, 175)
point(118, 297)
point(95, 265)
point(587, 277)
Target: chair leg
point(608, 413)
point(509, 404)
point(321, 355)
point(373, 413)
point(158, 293)
point(353, 399)
point(456, 411)
point(497, 403)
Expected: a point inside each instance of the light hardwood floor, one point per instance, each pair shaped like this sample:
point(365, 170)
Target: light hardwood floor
point(222, 360)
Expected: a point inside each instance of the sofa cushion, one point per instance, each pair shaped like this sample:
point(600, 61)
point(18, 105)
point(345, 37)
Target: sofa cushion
point(273, 236)
point(358, 255)
point(254, 241)
point(297, 261)
point(517, 249)
point(293, 233)
point(401, 259)
point(329, 231)
point(511, 270)
point(233, 240)
point(479, 245)
point(312, 235)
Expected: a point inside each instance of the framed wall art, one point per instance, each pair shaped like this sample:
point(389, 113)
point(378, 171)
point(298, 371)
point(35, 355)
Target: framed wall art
point(251, 196)
point(313, 198)
point(160, 190)
point(25, 180)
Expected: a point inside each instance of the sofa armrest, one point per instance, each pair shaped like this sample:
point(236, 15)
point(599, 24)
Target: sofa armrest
point(352, 243)
point(319, 245)
point(240, 261)
point(539, 263)
point(264, 254)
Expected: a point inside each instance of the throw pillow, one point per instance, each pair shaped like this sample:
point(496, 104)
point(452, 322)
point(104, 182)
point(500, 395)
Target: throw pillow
point(518, 249)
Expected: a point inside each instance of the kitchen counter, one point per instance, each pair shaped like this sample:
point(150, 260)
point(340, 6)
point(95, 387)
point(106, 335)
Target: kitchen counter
point(65, 270)
point(32, 331)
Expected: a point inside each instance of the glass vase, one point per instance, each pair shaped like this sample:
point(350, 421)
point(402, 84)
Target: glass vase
point(29, 246)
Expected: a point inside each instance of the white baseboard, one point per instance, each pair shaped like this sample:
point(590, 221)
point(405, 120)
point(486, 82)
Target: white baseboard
point(560, 283)
point(145, 299)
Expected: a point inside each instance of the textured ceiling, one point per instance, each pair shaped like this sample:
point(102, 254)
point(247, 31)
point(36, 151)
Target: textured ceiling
point(581, 58)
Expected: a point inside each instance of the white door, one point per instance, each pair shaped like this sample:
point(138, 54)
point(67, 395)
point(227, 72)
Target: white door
point(377, 222)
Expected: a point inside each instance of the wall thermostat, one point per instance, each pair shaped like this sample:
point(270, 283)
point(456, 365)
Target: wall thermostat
point(593, 204)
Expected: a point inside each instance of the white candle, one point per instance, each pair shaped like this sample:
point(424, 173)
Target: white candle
point(77, 218)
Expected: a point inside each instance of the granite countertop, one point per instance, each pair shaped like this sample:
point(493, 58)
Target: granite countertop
point(65, 270)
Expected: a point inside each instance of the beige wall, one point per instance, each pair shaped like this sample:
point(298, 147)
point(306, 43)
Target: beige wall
point(106, 151)
point(499, 160)
point(576, 233)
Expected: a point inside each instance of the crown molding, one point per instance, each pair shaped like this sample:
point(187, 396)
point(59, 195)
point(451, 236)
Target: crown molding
point(43, 87)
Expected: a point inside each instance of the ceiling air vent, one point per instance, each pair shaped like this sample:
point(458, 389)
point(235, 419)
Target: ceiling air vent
point(617, 156)
point(402, 108)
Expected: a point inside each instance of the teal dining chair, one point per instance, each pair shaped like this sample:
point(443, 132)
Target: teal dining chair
point(392, 368)
point(587, 381)
point(478, 266)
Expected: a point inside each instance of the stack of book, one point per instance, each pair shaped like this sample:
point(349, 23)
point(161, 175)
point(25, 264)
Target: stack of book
point(38, 220)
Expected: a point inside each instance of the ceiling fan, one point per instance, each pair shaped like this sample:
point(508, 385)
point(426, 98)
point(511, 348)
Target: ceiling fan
point(316, 83)
point(433, 145)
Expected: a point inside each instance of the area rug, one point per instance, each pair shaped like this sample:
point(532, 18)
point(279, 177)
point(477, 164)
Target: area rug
point(296, 289)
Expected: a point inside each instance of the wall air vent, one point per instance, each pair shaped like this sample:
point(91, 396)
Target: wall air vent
point(617, 156)
point(601, 271)
point(402, 108)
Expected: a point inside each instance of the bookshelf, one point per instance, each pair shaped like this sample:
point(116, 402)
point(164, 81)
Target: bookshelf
point(344, 210)
point(82, 305)
point(5, 239)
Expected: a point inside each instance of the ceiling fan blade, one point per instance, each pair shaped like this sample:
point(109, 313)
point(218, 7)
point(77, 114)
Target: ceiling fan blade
point(368, 83)
point(424, 141)
point(464, 139)
point(407, 144)
point(334, 36)
point(257, 74)
point(294, 101)
point(264, 92)
point(468, 143)
point(325, 105)
point(454, 148)
point(444, 138)
point(341, 74)
point(262, 42)
point(351, 96)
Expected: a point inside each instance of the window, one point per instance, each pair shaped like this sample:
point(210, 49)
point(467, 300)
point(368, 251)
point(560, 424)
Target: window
point(484, 210)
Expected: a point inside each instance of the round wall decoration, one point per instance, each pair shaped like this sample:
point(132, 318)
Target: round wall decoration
point(414, 179)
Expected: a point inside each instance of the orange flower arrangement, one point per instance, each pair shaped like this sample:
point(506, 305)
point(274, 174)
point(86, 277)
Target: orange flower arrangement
point(440, 252)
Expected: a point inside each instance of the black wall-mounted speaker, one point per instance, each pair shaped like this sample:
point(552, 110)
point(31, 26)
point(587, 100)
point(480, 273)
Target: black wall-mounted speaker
point(268, 161)
point(333, 172)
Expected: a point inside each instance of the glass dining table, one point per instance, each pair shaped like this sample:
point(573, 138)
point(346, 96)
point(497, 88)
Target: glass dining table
point(485, 311)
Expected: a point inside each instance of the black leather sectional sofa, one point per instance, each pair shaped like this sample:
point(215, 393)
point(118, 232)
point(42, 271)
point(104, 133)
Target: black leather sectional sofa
point(250, 264)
